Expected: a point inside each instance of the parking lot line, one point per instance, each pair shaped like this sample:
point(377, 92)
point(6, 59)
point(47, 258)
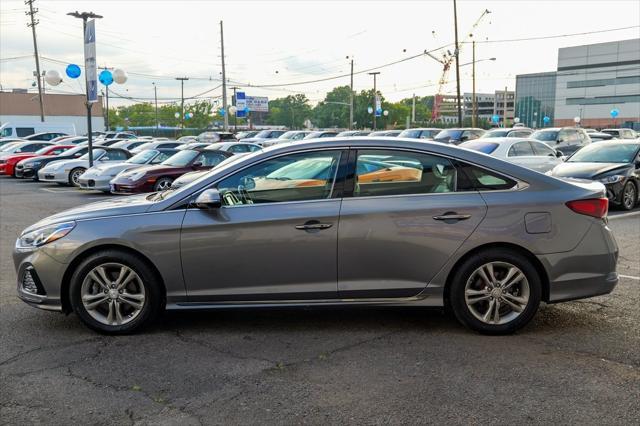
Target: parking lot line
point(54, 190)
point(629, 276)
point(623, 215)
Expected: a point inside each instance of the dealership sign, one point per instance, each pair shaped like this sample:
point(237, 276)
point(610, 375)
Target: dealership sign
point(257, 103)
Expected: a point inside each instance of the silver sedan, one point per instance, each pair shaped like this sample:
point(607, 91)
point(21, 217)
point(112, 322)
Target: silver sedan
point(341, 221)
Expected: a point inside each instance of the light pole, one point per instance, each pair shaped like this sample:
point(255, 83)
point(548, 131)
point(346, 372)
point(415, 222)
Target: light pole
point(375, 97)
point(155, 98)
point(351, 97)
point(182, 80)
point(457, 55)
point(474, 104)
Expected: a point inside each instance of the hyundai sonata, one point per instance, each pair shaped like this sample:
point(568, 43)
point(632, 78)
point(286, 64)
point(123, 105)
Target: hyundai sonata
point(342, 221)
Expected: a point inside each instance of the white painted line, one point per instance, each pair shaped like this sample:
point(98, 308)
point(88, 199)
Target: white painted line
point(629, 276)
point(56, 190)
point(623, 215)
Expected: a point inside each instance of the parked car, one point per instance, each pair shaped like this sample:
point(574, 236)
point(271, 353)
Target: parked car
point(44, 136)
point(159, 177)
point(234, 147)
point(193, 145)
point(515, 132)
point(321, 134)
point(130, 144)
point(8, 164)
point(29, 168)
point(420, 133)
point(621, 133)
point(246, 134)
point(499, 239)
point(24, 129)
point(351, 133)
point(290, 136)
point(388, 133)
point(192, 176)
point(213, 137)
point(118, 135)
point(457, 136)
point(528, 153)
point(98, 177)
point(187, 139)
point(615, 164)
point(263, 135)
point(21, 148)
point(74, 140)
point(564, 139)
point(599, 136)
point(108, 142)
point(5, 141)
point(156, 145)
point(68, 172)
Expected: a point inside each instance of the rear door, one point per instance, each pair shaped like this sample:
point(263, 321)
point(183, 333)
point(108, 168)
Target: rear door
point(400, 221)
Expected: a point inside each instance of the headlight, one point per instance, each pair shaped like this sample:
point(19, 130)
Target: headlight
point(34, 164)
point(611, 179)
point(45, 235)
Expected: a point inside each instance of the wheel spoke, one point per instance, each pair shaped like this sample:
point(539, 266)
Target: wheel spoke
point(101, 283)
point(112, 313)
point(516, 277)
point(94, 300)
point(123, 279)
point(487, 314)
point(485, 278)
point(134, 300)
point(496, 315)
point(472, 292)
point(519, 300)
point(513, 306)
point(475, 300)
point(103, 274)
point(119, 319)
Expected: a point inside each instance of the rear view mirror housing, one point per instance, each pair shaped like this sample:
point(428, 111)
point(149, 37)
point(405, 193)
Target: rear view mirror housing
point(208, 199)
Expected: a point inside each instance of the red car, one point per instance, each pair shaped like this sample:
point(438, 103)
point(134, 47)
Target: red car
point(8, 164)
point(160, 176)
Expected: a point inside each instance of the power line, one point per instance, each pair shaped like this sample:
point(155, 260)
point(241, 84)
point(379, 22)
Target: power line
point(556, 36)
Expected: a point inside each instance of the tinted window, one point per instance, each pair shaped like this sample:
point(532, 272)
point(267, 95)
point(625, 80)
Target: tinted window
point(609, 152)
point(481, 146)
point(210, 158)
point(545, 135)
point(168, 145)
point(238, 148)
point(476, 178)
point(296, 177)
point(389, 172)
point(24, 131)
point(116, 155)
point(542, 149)
point(520, 149)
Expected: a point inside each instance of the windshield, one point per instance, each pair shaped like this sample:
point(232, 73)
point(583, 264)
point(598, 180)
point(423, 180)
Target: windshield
point(484, 147)
point(263, 134)
point(181, 159)
point(142, 158)
point(42, 150)
point(96, 153)
point(8, 147)
point(496, 134)
point(410, 133)
point(606, 152)
point(449, 134)
point(146, 145)
point(287, 135)
point(545, 135)
point(72, 151)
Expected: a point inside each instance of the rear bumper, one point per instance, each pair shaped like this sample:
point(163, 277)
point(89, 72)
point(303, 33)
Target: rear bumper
point(100, 183)
point(47, 176)
point(587, 271)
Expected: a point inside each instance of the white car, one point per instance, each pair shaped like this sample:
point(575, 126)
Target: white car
point(528, 153)
point(68, 172)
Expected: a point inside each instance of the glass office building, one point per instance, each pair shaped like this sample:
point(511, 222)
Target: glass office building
point(536, 98)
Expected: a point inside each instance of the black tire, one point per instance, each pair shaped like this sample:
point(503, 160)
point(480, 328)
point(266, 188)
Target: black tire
point(153, 302)
point(464, 273)
point(162, 184)
point(73, 173)
point(629, 204)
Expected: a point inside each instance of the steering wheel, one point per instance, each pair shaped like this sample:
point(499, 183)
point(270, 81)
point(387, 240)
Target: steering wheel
point(244, 195)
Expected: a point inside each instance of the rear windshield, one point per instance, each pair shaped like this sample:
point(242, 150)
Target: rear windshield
point(480, 146)
point(496, 134)
point(545, 135)
point(449, 134)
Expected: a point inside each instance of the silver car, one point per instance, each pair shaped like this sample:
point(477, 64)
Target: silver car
point(342, 221)
point(68, 172)
point(525, 152)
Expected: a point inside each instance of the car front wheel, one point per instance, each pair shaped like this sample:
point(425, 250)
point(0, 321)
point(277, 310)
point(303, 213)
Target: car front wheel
point(162, 184)
point(115, 293)
point(74, 176)
point(629, 196)
point(497, 291)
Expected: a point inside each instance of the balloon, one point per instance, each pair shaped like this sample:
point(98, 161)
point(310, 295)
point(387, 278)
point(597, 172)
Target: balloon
point(176, 115)
point(369, 110)
point(615, 112)
point(546, 119)
point(119, 76)
point(221, 112)
point(73, 71)
point(53, 77)
point(385, 113)
point(246, 110)
point(105, 77)
point(495, 118)
point(233, 110)
point(516, 120)
point(576, 120)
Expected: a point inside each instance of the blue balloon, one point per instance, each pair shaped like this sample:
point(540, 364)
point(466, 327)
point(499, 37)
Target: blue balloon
point(73, 71)
point(495, 118)
point(105, 77)
point(246, 110)
point(546, 119)
point(615, 112)
point(221, 112)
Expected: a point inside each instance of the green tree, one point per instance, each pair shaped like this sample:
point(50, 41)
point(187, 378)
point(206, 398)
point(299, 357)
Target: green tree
point(291, 111)
point(333, 111)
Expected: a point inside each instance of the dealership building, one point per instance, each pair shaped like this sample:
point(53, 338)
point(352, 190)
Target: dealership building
point(590, 82)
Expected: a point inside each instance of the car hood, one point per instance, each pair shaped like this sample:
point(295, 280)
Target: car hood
point(112, 207)
point(586, 170)
point(113, 168)
point(68, 163)
point(160, 169)
point(20, 156)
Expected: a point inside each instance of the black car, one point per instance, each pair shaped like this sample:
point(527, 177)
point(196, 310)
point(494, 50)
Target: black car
point(457, 136)
point(615, 164)
point(29, 168)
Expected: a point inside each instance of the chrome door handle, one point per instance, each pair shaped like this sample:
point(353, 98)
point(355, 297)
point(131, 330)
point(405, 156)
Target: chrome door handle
point(314, 225)
point(452, 216)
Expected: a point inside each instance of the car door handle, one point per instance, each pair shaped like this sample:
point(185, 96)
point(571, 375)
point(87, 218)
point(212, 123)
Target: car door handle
point(452, 216)
point(314, 225)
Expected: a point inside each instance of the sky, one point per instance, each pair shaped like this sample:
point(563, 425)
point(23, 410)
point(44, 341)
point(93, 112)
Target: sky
point(278, 43)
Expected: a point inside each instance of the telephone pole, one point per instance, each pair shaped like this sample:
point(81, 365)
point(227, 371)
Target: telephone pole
point(457, 55)
point(375, 96)
point(182, 80)
point(107, 96)
point(413, 109)
point(32, 12)
point(351, 98)
point(155, 98)
point(234, 103)
point(224, 81)
point(504, 113)
point(474, 119)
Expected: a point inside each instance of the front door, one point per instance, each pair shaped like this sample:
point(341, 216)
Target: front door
point(275, 236)
point(403, 221)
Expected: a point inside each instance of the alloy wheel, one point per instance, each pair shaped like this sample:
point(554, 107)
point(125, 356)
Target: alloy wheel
point(163, 185)
point(75, 176)
point(113, 294)
point(497, 293)
point(629, 196)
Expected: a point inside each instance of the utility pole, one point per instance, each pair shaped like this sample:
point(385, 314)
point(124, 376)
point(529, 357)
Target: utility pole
point(473, 78)
point(351, 98)
point(504, 113)
point(32, 12)
point(413, 109)
point(234, 103)
point(107, 96)
point(457, 55)
point(182, 80)
point(375, 97)
point(224, 81)
point(155, 98)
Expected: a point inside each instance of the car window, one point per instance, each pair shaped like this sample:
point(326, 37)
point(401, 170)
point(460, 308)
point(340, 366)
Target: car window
point(210, 158)
point(116, 155)
point(391, 172)
point(58, 151)
point(254, 148)
point(520, 149)
point(295, 177)
point(161, 157)
point(168, 145)
point(238, 148)
point(477, 178)
point(542, 149)
point(24, 131)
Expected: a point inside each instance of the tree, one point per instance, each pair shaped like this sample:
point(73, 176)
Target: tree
point(291, 111)
point(333, 111)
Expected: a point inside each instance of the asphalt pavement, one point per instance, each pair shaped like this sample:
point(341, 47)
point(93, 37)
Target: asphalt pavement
point(576, 363)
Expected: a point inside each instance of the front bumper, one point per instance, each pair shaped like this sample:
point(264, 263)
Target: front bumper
point(124, 186)
point(46, 272)
point(100, 183)
point(614, 191)
point(4, 169)
point(59, 176)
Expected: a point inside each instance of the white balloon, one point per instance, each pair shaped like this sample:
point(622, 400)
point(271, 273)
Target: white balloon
point(119, 76)
point(385, 113)
point(53, 78)
point(233, 109)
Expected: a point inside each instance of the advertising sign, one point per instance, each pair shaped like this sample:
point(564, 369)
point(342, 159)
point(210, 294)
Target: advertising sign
point(90, 61)
point(378, 106)
point(241, 104)
point(258, 103)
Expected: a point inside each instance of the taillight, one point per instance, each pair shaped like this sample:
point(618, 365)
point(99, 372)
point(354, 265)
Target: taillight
point(595, 207)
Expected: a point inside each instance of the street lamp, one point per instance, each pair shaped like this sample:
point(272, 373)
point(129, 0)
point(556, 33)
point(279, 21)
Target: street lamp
point(474, 106)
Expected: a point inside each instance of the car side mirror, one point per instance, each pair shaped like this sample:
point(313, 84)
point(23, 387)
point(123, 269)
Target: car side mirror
point(464, 138)
point(196, 165)
point(208, 199)
point(559, 154)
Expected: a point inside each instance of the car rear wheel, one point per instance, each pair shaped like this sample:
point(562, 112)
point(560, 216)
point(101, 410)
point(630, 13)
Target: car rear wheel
point(74, 176)
point(629, 196)
point(115, 293)
point(162, 184)
point(497, 291)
